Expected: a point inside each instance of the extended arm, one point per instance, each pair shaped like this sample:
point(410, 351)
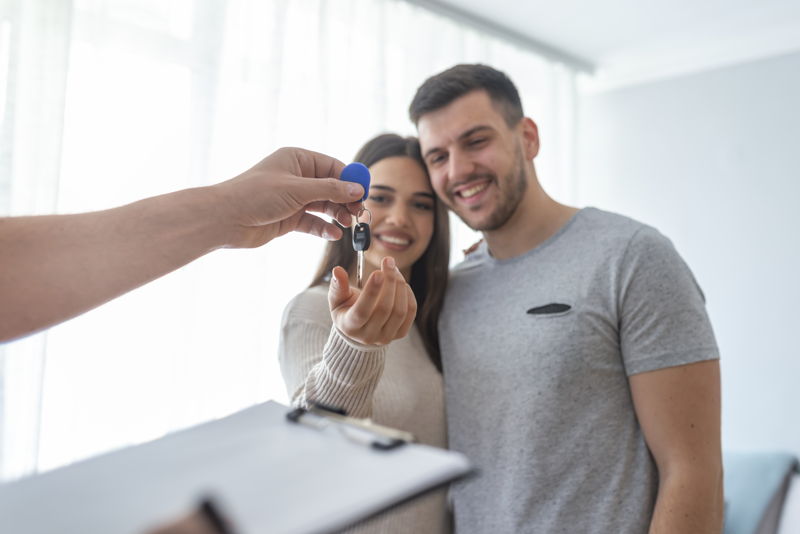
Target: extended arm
point(320, 365)
point(342, 366)
point(55, 267)
point(679, 411)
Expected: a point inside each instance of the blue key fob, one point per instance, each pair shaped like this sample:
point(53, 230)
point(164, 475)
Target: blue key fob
point(358, 173)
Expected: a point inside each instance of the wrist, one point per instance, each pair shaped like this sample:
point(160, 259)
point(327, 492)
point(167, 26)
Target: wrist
point(194, 219)
point(213, 214)
point(354, 343)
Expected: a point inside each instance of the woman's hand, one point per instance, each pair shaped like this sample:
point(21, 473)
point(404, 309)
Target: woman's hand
point(378, 314)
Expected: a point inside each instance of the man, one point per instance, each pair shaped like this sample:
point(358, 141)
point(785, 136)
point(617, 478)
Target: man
point(581, 370)
point(55, 267)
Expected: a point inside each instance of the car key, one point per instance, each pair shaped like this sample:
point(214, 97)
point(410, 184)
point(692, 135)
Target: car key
point(359, 173)
point(361, 241)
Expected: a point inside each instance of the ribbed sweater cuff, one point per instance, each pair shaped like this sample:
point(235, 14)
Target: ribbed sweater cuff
point(355, 369)
point(350, 362)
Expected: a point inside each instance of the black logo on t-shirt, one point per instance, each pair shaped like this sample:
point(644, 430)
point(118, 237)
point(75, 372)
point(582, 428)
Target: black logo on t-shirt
point(549, 309)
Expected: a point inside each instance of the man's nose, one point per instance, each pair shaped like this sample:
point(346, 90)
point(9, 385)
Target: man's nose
point(459, 166)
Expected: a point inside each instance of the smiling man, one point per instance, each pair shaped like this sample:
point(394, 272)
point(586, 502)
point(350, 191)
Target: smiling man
point(581, 369)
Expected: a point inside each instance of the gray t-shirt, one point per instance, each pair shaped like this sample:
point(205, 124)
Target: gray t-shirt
point(536, 352)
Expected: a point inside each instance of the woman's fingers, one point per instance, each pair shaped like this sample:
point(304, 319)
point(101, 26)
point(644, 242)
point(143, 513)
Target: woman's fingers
point(361, 312)
point(383, 311)
point(384, 306)
point(339, 290)
point(399, 309)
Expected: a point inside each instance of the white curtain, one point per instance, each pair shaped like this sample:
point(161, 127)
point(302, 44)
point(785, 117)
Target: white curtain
point(103, 102)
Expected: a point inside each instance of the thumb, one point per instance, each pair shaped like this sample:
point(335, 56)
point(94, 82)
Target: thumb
point(308, 190)
point(339, 289)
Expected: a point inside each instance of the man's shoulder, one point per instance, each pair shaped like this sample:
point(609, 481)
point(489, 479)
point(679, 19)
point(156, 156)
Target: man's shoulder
point(597, 220)
point(606, 232)
point(609, 231)
point(474, 257)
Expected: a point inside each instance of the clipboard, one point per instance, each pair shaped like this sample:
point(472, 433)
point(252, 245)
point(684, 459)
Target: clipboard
point(269, 469)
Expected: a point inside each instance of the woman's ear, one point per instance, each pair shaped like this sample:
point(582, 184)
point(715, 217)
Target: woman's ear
point(530, 137)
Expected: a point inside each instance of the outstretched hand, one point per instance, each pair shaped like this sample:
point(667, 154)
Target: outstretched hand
point(276, 195)
point(381, 312)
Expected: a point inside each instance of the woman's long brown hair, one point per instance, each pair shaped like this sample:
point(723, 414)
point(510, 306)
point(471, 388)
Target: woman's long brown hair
point(429, 273)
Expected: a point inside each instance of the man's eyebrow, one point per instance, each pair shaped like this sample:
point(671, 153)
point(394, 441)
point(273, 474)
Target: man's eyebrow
point(464, 135)
point(473, 130)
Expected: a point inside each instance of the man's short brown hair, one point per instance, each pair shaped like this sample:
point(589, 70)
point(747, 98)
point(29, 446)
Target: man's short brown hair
point(441, 89)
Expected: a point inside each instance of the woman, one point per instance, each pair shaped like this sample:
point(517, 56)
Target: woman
point(400, 384)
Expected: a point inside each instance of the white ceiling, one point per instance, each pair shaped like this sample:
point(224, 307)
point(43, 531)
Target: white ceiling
point(628, 41)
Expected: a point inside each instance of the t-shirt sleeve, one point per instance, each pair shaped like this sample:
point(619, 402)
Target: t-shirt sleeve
point(663, 319)
point(321, 365)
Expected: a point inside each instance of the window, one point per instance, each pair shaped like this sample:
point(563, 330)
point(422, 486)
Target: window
point(108, 101)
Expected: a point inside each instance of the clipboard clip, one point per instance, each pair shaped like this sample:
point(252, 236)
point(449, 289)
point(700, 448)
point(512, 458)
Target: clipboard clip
point(364, 431)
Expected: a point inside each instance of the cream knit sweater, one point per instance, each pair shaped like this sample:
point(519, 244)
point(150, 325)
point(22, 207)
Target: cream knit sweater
point(396, 385)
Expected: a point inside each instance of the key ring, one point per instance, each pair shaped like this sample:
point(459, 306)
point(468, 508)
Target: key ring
point(361, 212)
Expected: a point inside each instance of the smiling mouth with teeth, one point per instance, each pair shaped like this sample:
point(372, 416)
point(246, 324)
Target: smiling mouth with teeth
point(472, 191)
point(394, 240)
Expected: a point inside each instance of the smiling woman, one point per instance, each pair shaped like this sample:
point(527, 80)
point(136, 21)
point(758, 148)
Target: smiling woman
point(409, 223)
point(398, 385)
point(402, 205)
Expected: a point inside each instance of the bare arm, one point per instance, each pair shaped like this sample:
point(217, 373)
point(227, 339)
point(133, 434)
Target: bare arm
point(55, 267)
point(679, 412)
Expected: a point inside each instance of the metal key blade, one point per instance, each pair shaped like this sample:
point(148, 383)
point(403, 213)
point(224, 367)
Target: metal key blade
point(360, 275)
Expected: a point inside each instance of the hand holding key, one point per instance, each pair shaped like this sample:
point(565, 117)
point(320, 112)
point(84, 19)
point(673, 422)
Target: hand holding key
point(378, 314)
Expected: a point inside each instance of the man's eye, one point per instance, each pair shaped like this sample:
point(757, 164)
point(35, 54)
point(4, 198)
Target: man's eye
point(477, 141)
point(433, 160)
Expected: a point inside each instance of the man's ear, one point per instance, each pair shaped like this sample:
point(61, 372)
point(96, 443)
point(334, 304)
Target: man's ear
point(530, 137)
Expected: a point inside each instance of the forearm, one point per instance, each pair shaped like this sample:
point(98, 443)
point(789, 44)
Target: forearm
point(322, 367)
point(56, 267)
point(690, 501)
point(346, 377)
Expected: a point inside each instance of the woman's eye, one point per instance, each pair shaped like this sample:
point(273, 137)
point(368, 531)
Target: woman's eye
point(378, 199)
point(423, 206)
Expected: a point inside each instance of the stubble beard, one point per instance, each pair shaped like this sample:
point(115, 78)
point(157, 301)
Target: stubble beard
point(516, 183)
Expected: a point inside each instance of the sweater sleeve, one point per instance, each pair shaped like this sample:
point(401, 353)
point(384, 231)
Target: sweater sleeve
point(320, 364)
